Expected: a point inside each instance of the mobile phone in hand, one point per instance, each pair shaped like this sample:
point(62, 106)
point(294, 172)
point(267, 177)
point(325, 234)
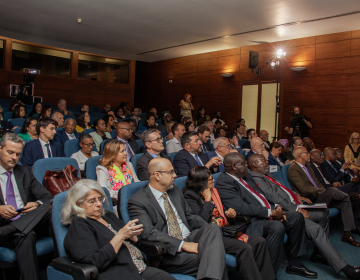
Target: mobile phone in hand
point(19, 210)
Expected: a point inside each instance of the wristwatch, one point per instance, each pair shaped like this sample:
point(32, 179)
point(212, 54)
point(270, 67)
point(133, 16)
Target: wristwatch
point(38, 203)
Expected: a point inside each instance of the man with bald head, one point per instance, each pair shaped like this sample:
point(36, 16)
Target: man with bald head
point(258, 147)
point(59, 118)
point(303, 180)
point(316, 221)
point(239, 191)
point(264, 135)
point(194, 247)
point(222, 148)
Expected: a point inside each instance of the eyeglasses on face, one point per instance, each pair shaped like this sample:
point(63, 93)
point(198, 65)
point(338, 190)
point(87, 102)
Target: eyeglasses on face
point(158, 140)
point(227, 146)
point(170, 172)
point(88, 145)
point(94, 200)
point(129, 129)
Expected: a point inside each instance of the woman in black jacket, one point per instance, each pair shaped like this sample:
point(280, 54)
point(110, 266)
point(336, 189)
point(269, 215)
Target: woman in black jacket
point(252, 253)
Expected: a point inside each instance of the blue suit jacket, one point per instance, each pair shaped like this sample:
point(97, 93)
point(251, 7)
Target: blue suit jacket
point(184, 161)
point(334, 176)
point(33, 152)
point(249, 153)
point(61, 137)
point(221, 167)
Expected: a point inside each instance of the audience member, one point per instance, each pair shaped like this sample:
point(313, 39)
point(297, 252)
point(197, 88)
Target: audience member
point(100, 134)
point(308, 144)
point(191, 155)
point(1, 113)
point(234, 140)
point(252, 253)
point(239, 191)
point(186, 106)
point(222, 148)
point(120, 114)
point(126, 108)
point(87, 144)
point(204, 136)
point(28, 130)
point(12, 106)
point(154, 111)
point(153, 144)
point(185, 120)
point(8, 126)
point(352, 151)
point(217, 117)
point(112, 113)
point(83, 122)
point(251, 133)
point(94, 231)
point(37, 106)
point(19, 112)
point(20, 189)
point(84, 108)
point(174, 145)
point(294, 143)
point(303, 180)
point(123, 134)
point(149, 121)
point(115, 170)
point(264, 135)
point(68, 133)
point(339, 156)
point(284, 155)
point(107, 107)
point(189, 126)
point(165, 120)
point(109, 122)
point(136, 115)
point(195, 247)
point(316, 221)
point(62, 108)
point(59, 118)
point(201, 117)
point(221, 131)
point(217, 124)
point(241, 131)
point(257, 147)
point(213, 134)
point(132, 123)
point(45, 112)
point(274, 155)
point(170, 135)
point(44, 147)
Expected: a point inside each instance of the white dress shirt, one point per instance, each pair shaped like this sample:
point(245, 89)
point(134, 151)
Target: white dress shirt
point(70, 136)
point(185, 232)
point(3, 181)
point(173, 146)
point(45, 151)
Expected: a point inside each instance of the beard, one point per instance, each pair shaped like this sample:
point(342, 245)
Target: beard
point(170, 187)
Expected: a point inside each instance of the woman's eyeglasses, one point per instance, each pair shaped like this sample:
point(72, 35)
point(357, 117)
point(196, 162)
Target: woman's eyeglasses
point(94, 200)
point(88, 145)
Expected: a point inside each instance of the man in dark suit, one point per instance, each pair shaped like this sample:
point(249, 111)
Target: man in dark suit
point(194, 247)
point(239, 191)
point(21, 190)
point(303, 180)
point(68, 133)
point(191, 156)
point(44, 147)
point(124, 133)
point(204, 136)
point(222, 148)
point(316, 221)
point(251, 133)
point(153, 144)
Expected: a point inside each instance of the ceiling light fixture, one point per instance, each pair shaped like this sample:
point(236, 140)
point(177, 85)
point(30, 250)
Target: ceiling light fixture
point(298, 68)
point(227, 75)
point(79, 20)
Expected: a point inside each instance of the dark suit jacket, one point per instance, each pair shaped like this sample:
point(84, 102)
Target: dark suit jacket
point(61, 137)
point(132, 144)
point(246, 145)
point(249, 153)
point(184, 161)
point(334, 176)
point(233, 195)
point(88, 241)
point(143, 163)
point(221, 167)
point(318, 176)
point(272, 160)
point(143, 206)
point(199, 206)
point(301, 183)
point(30, 191)
point(33, 152)
point(207, 146)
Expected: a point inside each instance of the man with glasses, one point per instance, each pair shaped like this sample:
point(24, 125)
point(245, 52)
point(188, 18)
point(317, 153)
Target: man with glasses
point(222, 148)
point(153, 144)
point(257, 147)
point(239, 191)
point(303, 180)
point(191, 155)
point(194, 247)
point(123, 134)
point(86, 150)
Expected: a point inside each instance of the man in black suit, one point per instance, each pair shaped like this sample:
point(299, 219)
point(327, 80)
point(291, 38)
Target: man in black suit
point(251, 133)
point(191, 156)
point(316, 221)
point(21, 190)
point(239, 191)
point(204, 136)
point(153, 144)
point(68, 133)
point(194, 247)
point(124, 133)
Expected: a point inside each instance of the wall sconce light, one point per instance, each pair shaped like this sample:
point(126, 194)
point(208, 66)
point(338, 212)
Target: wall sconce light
point(298, 69)
point(227, 75)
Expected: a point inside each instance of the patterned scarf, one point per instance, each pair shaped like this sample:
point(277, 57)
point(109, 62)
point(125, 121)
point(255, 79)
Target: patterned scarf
point(219, 208)
point(119, 179)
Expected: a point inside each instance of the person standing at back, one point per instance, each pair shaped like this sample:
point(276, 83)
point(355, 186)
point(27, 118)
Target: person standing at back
point(186, 106)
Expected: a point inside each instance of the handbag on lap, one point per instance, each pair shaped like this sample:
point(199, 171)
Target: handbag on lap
point(59, 181)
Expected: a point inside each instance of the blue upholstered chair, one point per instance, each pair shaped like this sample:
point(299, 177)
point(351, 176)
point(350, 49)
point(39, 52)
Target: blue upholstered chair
point(88, 130)
point(243, 153)
point(17, 122)
point(172, 156)
point(98, 115)
point(58, 129)
point(113, 133)
point(143, 115)
point(163, 133)
point(17, 130)
point(73, 146)
point(141, 123)
point(7, 116)
point(134, 160)
point(276, 172)
point(139, 143)
point(241, 142)
point(69, 117)
point(140, 131)
point(90, 167)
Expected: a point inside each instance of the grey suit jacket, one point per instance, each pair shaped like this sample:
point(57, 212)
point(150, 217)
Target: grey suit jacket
point(143, 206)
point(273, 192)
point(143, 163)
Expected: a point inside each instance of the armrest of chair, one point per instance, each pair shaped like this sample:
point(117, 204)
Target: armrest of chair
point(78, 271)
point(153, 248)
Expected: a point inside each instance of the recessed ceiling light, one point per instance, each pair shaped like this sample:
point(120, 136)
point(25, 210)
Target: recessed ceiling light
point(79, 20)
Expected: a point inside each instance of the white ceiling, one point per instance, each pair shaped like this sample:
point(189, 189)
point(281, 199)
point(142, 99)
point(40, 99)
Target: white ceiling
point(124, 28)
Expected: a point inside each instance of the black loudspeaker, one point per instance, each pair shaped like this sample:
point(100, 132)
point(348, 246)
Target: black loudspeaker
point(253, 59)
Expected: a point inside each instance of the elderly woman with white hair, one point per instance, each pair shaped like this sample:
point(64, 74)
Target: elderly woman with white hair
point(98, 237)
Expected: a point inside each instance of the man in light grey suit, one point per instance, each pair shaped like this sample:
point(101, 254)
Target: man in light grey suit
point(194, 247)
point(316, 221)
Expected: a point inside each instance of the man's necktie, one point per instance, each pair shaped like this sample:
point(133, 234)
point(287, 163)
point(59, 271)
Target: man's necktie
point(311, 179)
point(204, 147)
point(10, 194)
point(198, 160)
point(285, 188)
point(48, 150)
point(255, 193)
point(322, 174)
point(174, 227)
point(72, 136)
point(128, 150)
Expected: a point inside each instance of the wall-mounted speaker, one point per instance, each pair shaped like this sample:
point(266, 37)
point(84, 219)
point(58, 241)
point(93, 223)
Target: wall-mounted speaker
point(253, 59)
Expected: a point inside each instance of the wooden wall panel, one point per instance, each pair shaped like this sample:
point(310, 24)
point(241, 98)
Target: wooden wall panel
point(333, 49)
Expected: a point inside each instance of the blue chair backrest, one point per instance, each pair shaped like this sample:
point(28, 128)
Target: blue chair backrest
point(141, 123)
point(98, 115)
point(92, 119)
point(143, 115)
point(163, 133)
point(284, 171)
point(94, 108)
point(17, 130)
point(17, 122)
point(139, 143)
point(243, 153)
point(58, 129)
point(140, 131)
point(276, 172)
point(113, 133)
point(102, 147)
point(36, 115)
point(7, 116)
point(180, 182)
point(69, 117)
point(134, 160)
point(211, 145)
point(88, 130)
point(61, 230)
point(90, 167)
point(72, 146)
point(55, 163)
point(28, 108)
point(216, 176)
point(159, 122)
point(241, 142)
point(125, 193)
point(172, 156)
point(46, 104)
